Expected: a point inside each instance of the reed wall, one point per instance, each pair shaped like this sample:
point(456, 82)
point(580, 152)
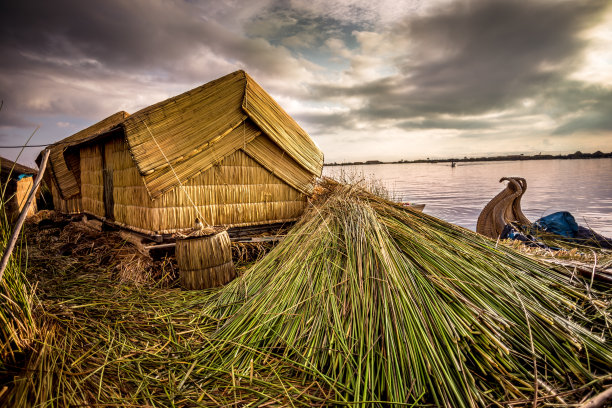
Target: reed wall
point(131, 199)
point(66, 169)
point(91, 180)
point(15, 196)
point(63, 177)
point(236, 191)
point(69, 206)
point(22, 192)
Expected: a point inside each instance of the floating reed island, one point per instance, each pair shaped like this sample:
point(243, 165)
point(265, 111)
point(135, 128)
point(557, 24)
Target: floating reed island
point(364, 303)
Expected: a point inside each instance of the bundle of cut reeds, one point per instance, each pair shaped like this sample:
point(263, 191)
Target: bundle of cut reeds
point(205, 261)
point(387, 305)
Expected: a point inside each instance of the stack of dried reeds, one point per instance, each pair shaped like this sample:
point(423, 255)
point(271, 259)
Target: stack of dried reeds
point(387, 305)
point(22, 191)
point(14, 190)
point(205, 261)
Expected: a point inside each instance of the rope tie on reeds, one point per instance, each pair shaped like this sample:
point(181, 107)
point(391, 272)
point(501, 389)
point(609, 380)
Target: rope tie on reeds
point(177, 177)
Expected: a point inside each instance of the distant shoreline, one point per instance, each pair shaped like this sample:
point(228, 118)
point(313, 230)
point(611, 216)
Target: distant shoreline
point(513, 157)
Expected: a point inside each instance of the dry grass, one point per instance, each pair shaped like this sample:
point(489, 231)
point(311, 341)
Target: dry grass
point(58, 244)
point(112, 342)
point(18, 326)
point(246, 253)
point(588, 262)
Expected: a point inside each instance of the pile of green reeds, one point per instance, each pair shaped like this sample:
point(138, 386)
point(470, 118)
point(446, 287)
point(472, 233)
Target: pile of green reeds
point(386, 305)
point(591, 263)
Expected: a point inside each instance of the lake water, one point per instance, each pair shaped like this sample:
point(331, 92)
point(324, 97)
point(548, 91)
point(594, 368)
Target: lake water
point(458, 194)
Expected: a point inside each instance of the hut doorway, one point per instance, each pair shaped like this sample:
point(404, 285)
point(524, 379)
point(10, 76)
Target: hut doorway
point(107, 181)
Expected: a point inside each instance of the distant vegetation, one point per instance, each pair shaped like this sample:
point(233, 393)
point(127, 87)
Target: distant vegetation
point(578, 155)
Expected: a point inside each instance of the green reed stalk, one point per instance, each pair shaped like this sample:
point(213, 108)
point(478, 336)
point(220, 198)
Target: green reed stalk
point(17, 325)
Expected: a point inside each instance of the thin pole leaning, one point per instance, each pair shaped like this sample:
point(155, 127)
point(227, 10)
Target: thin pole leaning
point(15, 234)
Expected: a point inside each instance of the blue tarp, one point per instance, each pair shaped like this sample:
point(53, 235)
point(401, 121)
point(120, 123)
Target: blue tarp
point(560, 223)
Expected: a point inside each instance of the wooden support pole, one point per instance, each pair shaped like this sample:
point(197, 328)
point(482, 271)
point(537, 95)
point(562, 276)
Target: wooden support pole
point(241, 240)
point(24, 213)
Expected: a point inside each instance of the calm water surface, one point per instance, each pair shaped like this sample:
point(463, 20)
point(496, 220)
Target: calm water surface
point(457, 195)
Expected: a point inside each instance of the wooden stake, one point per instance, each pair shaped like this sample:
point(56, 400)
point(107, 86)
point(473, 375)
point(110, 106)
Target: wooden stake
point(15, 234)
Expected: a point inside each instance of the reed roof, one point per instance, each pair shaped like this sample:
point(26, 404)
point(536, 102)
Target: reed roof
point(187, 134)
point(14, 169)
point(213, 120)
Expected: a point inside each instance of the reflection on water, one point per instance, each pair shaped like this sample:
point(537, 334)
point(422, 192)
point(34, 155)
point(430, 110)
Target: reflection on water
point(457, 195)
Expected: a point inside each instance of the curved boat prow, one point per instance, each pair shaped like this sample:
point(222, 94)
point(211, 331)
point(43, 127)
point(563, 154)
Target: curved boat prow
point(503, 209)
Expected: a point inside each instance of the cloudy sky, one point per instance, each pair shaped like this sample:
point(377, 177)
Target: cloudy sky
point(387, 80)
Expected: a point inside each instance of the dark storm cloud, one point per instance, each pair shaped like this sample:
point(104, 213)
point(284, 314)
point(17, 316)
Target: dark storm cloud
point(119, 34)
point(347, 68)
point(495, 52)
point(385, 86)
point(14, 121)
point(57, 44)
point(594, 116)
point(476, 57)
point(327, 122)
point(578, 107)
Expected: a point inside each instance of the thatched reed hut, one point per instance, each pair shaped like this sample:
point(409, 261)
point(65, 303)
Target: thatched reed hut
point(16, 181)
point(225, 153)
